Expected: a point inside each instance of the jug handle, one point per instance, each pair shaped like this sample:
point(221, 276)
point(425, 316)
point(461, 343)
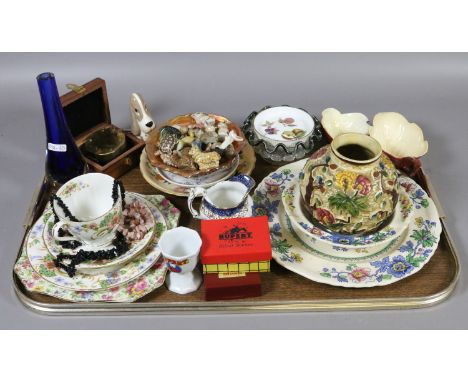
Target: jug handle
point(194, 193)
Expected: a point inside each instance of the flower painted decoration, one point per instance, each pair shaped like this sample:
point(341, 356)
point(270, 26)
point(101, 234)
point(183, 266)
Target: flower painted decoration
point(324, 216)
point(287, 121)
point(335, 123)
point(363, 185)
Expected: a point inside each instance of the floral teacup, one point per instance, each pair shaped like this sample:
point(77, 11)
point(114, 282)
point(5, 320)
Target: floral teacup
point(93, 215)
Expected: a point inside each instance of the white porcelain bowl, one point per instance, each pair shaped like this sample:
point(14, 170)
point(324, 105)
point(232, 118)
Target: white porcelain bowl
point(398, 137)
point(282, 133)
point(335, 123)
point(284, 124)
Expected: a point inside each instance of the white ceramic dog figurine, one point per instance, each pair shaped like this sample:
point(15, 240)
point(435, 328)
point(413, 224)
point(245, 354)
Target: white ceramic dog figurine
point(142, 121)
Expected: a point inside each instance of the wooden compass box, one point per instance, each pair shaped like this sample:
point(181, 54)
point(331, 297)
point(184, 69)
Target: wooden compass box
point(86, 108)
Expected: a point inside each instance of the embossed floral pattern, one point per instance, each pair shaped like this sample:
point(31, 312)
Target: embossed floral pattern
point(291, 201)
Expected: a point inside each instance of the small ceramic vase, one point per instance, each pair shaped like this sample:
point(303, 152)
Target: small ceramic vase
point(349, 186)
point(89, 199)
point(180, 247)
point(226, 199)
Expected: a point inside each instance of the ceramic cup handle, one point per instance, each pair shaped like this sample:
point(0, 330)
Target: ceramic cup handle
point(55, 233)
point(194, 193)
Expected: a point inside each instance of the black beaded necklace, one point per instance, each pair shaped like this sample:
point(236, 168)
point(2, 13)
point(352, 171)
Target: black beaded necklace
point(120, 244)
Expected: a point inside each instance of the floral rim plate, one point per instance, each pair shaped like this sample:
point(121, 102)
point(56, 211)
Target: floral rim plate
point(126, 292)
point(246, 165)
point(157, 223)
point(43, 261)
point(404, 210)
point(417, 244)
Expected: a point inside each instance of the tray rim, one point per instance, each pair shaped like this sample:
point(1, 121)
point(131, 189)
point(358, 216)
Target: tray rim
point(244, 306)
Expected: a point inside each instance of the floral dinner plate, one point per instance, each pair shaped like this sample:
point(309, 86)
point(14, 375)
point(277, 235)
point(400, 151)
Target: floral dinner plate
point(412, 251)
point(125, 292)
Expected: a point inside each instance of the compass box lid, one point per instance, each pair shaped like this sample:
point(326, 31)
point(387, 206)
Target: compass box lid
point(235, 240)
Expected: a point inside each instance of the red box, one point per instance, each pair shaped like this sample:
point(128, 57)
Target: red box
point(240, 240)
point(229, 288)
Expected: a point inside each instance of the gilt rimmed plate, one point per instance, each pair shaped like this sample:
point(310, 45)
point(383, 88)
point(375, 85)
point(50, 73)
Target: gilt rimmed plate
point(157, 223)
point(126, 292)
point(415, 247)
point(339, 243)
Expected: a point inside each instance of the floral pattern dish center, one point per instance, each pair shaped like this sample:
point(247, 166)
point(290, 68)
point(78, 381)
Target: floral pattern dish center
point(416, 245)
point(125, 292)
point(349, 197)
point(283, 124)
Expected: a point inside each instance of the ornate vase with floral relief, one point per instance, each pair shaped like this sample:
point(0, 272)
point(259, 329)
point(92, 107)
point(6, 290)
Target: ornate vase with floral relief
point(349, 186)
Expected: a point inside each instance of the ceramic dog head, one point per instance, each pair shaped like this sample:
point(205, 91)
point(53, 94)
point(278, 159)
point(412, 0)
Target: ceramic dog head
point(142, 121)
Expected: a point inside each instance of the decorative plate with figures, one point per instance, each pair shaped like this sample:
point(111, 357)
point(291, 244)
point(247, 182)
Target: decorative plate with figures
point(401, 259)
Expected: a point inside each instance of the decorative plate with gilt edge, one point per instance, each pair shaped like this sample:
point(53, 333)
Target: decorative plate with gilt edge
point(125, 292)
point(412, 251)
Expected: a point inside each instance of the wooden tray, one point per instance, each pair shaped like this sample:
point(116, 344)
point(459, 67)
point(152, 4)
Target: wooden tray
point(282, 289)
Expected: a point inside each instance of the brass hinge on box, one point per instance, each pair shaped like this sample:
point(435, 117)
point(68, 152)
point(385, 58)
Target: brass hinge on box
point(76, 88)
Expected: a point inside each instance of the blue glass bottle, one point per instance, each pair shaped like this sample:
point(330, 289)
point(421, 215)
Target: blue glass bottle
point(63, 158)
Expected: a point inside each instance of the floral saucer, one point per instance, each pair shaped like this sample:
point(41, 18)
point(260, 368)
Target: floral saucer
point(157, 223)
point(43, 261)
point(412, 251)
point(339, 243)
point(126, 292)
point(153, 176)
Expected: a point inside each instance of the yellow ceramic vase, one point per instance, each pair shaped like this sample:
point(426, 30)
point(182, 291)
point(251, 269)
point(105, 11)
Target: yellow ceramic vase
point(349, 186)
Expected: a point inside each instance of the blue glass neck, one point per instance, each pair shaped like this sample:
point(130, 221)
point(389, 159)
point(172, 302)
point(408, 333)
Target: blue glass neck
point(63, 158)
